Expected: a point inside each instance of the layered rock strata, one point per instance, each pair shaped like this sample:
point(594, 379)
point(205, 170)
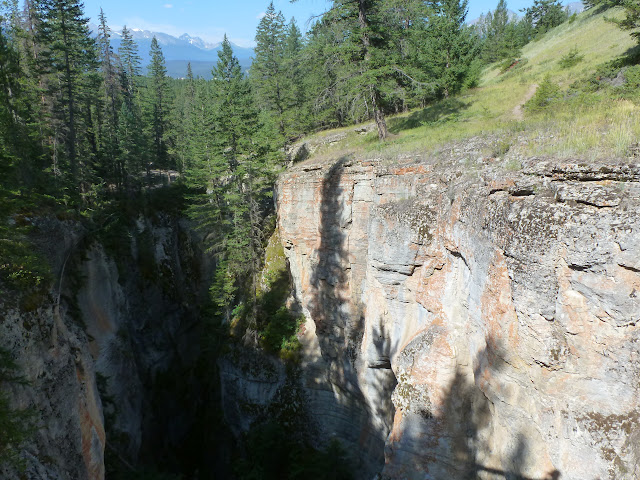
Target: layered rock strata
point(467, 319)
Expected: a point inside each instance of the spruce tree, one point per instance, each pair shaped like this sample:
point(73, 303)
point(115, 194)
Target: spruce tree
point(372, 66)
point(129, 64)
point(181, 115)
point(132, 151)
point(111, 100)
point(21, 126)
point(68, 56)
point(631, 21)
point(231, 169)
point(295, 94)
point(366, 72)
point(267, 68)
point(543, 15)
point(157, 105)
point(450, 46)
point(499, 35)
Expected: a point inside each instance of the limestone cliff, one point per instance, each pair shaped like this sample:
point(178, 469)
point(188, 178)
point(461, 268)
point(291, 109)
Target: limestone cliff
point(468, 317)
point(116, 322)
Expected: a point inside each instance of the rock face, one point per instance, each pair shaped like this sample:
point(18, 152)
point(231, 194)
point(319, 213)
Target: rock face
point(467, 320)
point(123, 318)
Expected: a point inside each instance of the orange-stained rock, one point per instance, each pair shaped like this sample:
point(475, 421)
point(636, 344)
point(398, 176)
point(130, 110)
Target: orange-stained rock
point(471, 323)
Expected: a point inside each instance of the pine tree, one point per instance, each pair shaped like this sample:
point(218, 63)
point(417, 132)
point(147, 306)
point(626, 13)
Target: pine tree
point(22, 157)
point(367, 71)
point(181, 116)
point(543, 15)
point(68, 57)
point(245, 154)
point(132, 151)
point(111, 100)
point(157, 105)
point(295, 94)
point(373, 66)
point(267, 68)
point(323, 63)
point(450, 46)
point(631, 21)
point(130, 64)
point(231, 168)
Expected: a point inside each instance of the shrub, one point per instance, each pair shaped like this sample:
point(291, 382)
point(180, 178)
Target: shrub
point(571, 59)
point(22, 270)
point(16, 426)
point(547, 93)
point(277, 454)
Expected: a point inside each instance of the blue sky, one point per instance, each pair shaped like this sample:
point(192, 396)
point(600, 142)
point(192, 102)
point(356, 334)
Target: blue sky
point(211, 19)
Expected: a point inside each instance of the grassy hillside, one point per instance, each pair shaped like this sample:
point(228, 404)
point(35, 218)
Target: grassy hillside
point(585, 107)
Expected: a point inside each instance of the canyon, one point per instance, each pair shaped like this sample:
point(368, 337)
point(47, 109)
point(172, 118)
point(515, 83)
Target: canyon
point(465, 316)
point(476, 316)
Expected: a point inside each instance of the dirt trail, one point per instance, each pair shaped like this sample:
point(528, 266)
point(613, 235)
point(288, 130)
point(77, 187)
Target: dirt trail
point(518, 112)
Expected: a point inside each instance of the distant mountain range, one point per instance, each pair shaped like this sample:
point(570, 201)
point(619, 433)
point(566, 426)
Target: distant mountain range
point(179, 51)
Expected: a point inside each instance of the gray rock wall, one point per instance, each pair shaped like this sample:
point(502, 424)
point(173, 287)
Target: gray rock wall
point(119, 323)
point(480, 321)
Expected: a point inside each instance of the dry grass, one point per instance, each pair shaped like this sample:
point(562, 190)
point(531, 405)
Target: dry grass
point(589, 125)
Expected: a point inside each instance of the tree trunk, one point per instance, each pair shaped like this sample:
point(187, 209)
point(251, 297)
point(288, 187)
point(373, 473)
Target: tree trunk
point(378, 114)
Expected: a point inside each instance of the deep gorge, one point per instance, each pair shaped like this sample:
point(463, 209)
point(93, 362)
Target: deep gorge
point(458, 323)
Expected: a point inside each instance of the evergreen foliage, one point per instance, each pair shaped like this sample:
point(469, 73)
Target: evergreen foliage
point(632, 17)
point(231, 167)
point(500, 35)
point(16, 425)
point(543, 15)
point(268, 69)
point(157, 102)
point(450, 46)
point(111, 98)
point(66, 60)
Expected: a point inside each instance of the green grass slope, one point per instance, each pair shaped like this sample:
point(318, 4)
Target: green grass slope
point(585, 102)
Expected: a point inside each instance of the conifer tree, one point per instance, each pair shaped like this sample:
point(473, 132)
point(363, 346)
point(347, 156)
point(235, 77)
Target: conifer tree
point(68, 56)
point(132, 151)
point(130, 64)
point(231, 168)
point(181, 117)
point(157, 104)
point(372, 66)
point(323, 64)
point(450, 45)
point(500, 39)
point(543, 15)
point(267, 68)
point(246, 156)
point(295, 113)
point(366, 69)
point(631, 21)
point(111, 100)
point(21, 126)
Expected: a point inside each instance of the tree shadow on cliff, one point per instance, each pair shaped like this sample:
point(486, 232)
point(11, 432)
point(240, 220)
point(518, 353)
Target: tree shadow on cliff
point(330, 284)
point(458, 441)
point(339, 329)
point(467, 416)
point(329, 279)
point(381, 378)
